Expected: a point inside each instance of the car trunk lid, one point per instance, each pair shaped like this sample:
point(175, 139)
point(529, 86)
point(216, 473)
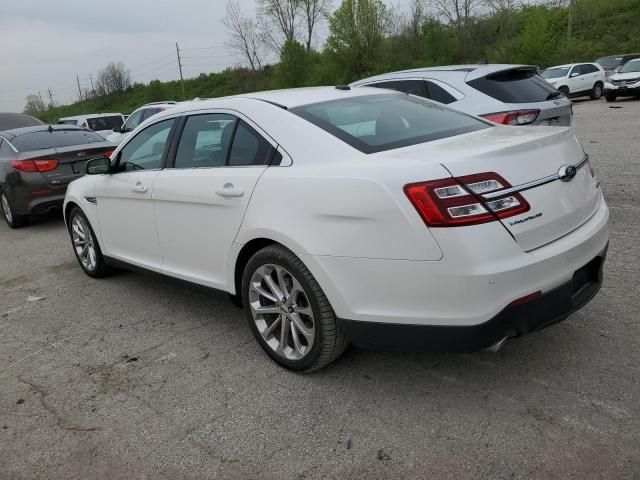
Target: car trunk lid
point(531, 161)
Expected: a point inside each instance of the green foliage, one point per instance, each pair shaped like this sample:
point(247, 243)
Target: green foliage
point(359, 45)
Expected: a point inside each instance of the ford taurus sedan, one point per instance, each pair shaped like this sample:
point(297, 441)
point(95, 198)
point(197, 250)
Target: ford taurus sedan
point(338, 215)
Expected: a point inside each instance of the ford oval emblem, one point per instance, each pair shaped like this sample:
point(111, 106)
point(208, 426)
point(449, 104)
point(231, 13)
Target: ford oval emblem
point(567, 172)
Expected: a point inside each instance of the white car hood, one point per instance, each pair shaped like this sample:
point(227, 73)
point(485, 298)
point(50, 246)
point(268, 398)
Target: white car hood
point(625, 76)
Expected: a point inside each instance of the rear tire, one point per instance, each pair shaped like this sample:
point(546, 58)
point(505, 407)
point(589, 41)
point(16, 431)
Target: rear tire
point(610, 97)
point(13, 220)
point(596, 92)
point(85, 245)
point(288, 312)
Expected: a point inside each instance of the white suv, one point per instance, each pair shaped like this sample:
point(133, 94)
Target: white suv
point(136, 118)
point(101, 123)
point(577, 79)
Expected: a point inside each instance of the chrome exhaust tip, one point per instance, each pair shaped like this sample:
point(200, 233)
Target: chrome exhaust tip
point(497, 346)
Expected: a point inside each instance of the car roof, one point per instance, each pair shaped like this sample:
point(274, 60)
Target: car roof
point(16, 132)
point(9, 120)
point(471, 71)
point(89, 115)
point(286, 98)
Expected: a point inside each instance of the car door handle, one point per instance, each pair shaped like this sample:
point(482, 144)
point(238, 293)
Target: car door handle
point(139, 188)
point(228, 190)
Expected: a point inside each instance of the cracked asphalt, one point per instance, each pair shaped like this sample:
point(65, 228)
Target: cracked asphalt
point(136, 376)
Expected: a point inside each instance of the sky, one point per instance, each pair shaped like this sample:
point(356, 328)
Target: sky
point(46, 43)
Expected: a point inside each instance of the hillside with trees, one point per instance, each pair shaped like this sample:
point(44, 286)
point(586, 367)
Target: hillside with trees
point(366, 37)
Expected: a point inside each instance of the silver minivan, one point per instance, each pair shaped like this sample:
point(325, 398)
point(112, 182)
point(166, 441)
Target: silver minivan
point(506, 94)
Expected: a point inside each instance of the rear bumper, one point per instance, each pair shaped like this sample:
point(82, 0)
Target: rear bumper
point(34, 197)
point(514, 321)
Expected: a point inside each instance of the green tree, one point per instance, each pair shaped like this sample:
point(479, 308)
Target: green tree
point(355, 43)
point(294, 67)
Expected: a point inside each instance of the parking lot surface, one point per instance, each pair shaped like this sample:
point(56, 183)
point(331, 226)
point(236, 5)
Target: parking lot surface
point(136, 376)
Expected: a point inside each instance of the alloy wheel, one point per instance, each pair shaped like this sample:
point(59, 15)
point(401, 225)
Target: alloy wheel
point(83, 243)
point(597, 91)
point(282, 312)
point(6, 208)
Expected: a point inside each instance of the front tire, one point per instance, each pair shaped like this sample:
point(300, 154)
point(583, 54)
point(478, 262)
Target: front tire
point(288, 312)
point(596, 92)
point(85, 245)
point(13, 219)
point(610, 97)
point(564, 91)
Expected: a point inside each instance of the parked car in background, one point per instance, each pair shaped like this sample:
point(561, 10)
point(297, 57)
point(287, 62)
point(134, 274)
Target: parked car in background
point(361, 215)
point(136, 118)
point(624, 83)
point(101, 123)
point(37, 164)
point(506, 94)
point(9, 120)
point(577, 79)
point(612, 63)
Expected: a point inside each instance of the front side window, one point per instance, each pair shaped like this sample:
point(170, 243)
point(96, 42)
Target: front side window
point(577, 70)
point(133, 121)
point(146, 150)
point(374, 123)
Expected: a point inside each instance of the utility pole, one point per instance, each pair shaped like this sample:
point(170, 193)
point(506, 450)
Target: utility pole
point(41, 101)
point(50, 97)
point(93, 90)
point(79, 90)
point(180, 68)
point(572, 5)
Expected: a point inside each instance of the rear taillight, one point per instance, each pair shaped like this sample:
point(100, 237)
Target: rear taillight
point(34, 165)
point(108, 153)
point(516, 117)
point(456, 202)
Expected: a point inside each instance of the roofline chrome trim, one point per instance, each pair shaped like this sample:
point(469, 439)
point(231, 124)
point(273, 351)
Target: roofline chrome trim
point(529, 185)
point(9, 143)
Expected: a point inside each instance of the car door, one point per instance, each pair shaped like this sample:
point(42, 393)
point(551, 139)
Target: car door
point(578, 79)
point(201, 200)
point(124, 198)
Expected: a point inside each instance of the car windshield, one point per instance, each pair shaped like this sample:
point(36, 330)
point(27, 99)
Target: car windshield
point(55, 139)
point(630, 66)
point(105, 123)
point(609, 62)
point(555, 72)
point(374, 123)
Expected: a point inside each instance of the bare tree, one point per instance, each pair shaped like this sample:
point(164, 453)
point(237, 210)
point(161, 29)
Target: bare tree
point(34, 105)
point(312, 12)
point(458, 13)
point(279, 21)
point(113, 78)
point(245, 38)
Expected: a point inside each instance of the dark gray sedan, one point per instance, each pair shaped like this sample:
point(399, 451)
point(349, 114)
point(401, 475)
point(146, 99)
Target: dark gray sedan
point(37, 163)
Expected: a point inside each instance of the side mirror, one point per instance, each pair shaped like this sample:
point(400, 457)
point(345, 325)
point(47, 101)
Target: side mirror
point(574, 74)
point(117, 129)
point(98, 166)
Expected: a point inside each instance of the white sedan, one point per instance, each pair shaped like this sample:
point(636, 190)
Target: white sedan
point(337, 215)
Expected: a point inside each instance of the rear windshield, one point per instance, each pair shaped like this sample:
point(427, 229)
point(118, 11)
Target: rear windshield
point(105, 123)
point(515, 86)
point(555, 72)
point(609, 62)
point(374, 123)
point(55, 139)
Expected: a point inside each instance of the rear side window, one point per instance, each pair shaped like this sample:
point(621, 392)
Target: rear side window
point(105, 123)
point(439, 94)
point(374, 123)
point(249, 148)
point(514, 86)
point(205, 141)
point(54, 139)
point(413, 87)
point(587, 68)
